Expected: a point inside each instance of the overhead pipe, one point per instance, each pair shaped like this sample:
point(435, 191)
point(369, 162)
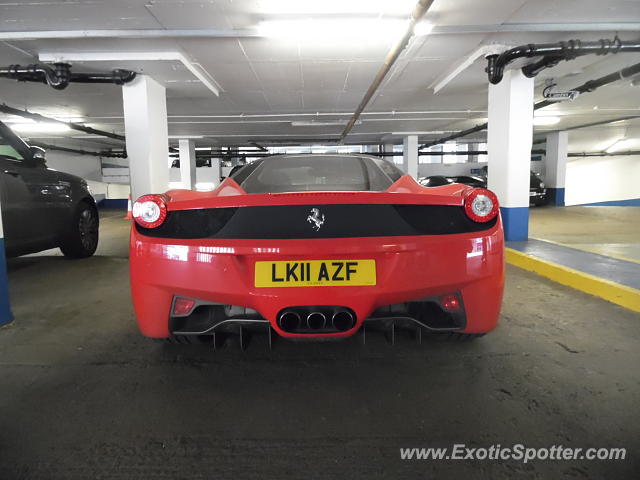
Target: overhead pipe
point(79, 151)
point(59, 75)
point(393, 54)
point(74, 126)
point(586, 87)
point(552, 54)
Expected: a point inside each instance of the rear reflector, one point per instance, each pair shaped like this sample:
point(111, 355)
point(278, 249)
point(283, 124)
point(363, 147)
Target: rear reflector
point(450, 302)
point(183, 306)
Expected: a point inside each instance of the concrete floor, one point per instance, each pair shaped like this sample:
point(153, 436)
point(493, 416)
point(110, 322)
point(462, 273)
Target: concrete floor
point(611, 231)
point(83, 395)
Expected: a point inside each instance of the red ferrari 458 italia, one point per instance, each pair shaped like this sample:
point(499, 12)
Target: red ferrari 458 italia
point(317, 246)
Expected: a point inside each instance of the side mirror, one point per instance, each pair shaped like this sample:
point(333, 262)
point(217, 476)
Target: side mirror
point(38, 154)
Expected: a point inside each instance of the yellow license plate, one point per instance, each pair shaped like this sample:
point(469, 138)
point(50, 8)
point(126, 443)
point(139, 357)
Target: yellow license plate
point(313, 273)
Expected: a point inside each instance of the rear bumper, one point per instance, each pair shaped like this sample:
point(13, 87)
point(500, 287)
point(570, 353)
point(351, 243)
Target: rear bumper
point(407, 269)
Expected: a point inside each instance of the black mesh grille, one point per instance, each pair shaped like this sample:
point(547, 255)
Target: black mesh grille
point(340, 221)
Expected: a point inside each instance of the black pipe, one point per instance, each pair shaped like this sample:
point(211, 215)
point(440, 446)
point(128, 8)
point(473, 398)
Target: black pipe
point(552, 54)
point(105, 154)
point(592, 85)
point(59, 75)
point(75, 126)
point(534, 152)
point(586, 87)
point(463, 133)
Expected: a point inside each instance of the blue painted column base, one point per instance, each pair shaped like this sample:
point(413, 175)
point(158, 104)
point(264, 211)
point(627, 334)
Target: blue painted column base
point(516, 223)
point(556, 196)
point(5, 311)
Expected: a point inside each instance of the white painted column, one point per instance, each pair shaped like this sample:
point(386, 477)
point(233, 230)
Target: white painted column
point(509, 147)
point(556, 166)
point(388, 148)
point(5, 310)
point(217, 171)
point(187, 149)
point(145, 124)
point(371, 148)
point(410, 155)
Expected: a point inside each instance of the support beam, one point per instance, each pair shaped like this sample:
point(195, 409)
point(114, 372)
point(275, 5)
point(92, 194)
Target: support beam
point(145, 123)
point(556, 166)
point(187, 150)
point(509, 146)
point(410, 155)
point(5, 310)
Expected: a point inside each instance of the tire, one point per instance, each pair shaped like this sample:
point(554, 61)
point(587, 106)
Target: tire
point(81, 240)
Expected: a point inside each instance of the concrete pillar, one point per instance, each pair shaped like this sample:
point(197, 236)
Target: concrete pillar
point(388, 148)
point(5, 310)
point(217, 171)
point(371, 148)
point(410, 155)
point(145, 124)
point(556, 166)
point(187, 149)
point(509, 146)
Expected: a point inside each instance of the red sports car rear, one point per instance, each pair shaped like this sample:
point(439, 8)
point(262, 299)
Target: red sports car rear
point(317, 246)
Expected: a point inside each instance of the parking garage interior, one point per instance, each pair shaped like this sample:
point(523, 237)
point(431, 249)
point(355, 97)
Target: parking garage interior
point(537, 100)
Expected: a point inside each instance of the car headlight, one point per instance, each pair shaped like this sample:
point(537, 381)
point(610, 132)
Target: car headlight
point(541, 184)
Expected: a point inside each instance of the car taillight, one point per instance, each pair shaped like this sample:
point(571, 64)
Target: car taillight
point(150, 211)
point(481, 205)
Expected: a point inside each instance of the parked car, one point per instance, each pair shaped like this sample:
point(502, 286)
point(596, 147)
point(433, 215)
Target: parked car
point(434, 181)
point(311, 246)
point(471, 180)
point(43, 208)
point(537, 189)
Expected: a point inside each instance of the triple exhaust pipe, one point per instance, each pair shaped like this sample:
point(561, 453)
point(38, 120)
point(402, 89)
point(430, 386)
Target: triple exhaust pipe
point(291, 320)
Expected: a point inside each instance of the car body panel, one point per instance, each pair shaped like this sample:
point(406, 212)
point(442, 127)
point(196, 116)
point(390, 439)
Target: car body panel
point(221, 270)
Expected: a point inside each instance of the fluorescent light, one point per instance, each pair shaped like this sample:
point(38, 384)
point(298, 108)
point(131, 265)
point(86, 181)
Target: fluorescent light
point(321, 123)
point(623, 144)
point(336, 7)
point(422, 29)
point(333, 30)
point(43, 127)
point(542, 121)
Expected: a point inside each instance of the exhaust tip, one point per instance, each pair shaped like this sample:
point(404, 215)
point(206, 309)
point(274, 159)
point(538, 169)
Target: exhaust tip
point(343, 320)
point(289, 321)
point(316, 320)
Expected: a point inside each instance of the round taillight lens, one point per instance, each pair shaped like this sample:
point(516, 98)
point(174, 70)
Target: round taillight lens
point(149, 211)
point(481, 205)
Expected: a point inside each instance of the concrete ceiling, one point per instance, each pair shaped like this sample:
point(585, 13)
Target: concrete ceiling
point(268, 83)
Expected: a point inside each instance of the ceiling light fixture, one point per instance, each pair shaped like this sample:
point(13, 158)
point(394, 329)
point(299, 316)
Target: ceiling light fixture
point(423, 28)
point(544, 121)
point(336, 7)
point(44, 127)
point(622, 144)
point(333, 30)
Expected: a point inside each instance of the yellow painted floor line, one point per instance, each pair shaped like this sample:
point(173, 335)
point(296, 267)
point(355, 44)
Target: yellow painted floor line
point(613, 292)
point(585, 249)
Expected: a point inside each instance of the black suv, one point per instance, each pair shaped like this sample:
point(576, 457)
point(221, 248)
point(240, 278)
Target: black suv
point(43, 208)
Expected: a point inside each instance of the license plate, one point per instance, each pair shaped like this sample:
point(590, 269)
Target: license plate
point(314, 273)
